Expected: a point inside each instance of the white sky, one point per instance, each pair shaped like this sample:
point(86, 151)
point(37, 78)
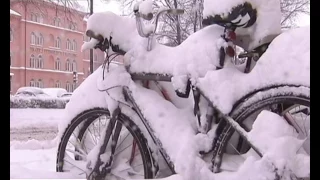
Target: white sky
point(113, 6)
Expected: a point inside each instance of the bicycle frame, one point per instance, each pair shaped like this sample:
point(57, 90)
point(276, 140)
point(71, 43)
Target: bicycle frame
point(196, 92)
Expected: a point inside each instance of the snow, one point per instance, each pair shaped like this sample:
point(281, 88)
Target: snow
point(37, 159)
point(14, 12)
point(280, 64)
point(54, 92)
point(40, 118)
point(184, 60)
point(266, 26)
point(122, 29)
point(145, 7)
point(285, 62)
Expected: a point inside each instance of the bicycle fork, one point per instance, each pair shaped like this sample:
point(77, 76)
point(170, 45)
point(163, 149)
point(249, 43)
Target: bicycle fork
point(102, 166)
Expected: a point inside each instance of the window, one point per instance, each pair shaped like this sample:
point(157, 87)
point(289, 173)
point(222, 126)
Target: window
point(36, 18)
point(36, 62)
point(40, 62)
point(37, 39)
point(58, 84)
point(40, 19)
point(57, 64)
point(74, 45)
point(33, 38)
point(32, 83)
point(57, 43)
point(40, 84)
point(11, 34)
point(72, 26)
point(32, 61)
point(68, 65)
point(33, 17)
point(68, 87)
point(74, 66)
point(56, 22)
point(68, 44)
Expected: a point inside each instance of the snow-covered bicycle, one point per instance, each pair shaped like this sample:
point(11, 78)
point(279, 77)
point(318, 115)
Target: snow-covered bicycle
point(132, 125)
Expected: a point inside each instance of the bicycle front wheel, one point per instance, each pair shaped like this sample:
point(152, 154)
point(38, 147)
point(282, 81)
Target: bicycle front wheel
point(132, 157)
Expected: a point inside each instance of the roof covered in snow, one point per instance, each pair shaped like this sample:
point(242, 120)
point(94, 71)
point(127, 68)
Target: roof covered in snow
point(14, 12)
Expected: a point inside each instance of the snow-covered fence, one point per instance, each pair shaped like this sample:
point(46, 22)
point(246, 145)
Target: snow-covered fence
point(36, 102)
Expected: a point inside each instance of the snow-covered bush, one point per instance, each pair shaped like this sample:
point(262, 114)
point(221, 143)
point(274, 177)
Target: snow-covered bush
point(36, 102)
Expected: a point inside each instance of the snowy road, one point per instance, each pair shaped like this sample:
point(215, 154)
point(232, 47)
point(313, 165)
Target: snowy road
point(25, 134)
point(39, 124)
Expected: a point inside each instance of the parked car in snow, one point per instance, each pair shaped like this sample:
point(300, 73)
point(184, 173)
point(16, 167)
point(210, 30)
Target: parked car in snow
point(55, 92)
point(66, 95)
point(31, 92)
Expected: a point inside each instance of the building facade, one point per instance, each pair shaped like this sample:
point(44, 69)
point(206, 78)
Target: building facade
point(45, 46)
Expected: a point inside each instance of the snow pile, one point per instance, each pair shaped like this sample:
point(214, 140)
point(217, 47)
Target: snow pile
point(280, 143)
point(287, 61)
point(34, 144)
point(187, 60)
point(263, 30)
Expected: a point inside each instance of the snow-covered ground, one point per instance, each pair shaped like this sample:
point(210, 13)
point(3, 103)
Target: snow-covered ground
point(40, 124)
point(32, 143)
point(30, 158)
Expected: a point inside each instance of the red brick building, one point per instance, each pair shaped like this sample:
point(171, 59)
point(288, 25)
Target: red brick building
point(45, 43)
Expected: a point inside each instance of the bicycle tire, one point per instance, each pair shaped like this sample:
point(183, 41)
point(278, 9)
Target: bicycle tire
point(244, 110)
point(88, 116)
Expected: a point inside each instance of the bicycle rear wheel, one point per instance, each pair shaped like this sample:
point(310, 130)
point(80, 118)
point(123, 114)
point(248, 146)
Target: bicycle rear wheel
point(294, 110)
point(132, 158)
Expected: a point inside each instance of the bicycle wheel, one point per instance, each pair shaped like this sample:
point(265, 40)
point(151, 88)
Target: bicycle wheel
point(295, 109)
point(132, 158)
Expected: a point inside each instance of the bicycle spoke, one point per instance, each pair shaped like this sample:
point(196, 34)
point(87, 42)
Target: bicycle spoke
point(78, 147)
point(78, 143)
point(115, 154)
point(94, 139)
point(68, 159)
point(122, 141)
point(131, 167)
point(77, 153)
